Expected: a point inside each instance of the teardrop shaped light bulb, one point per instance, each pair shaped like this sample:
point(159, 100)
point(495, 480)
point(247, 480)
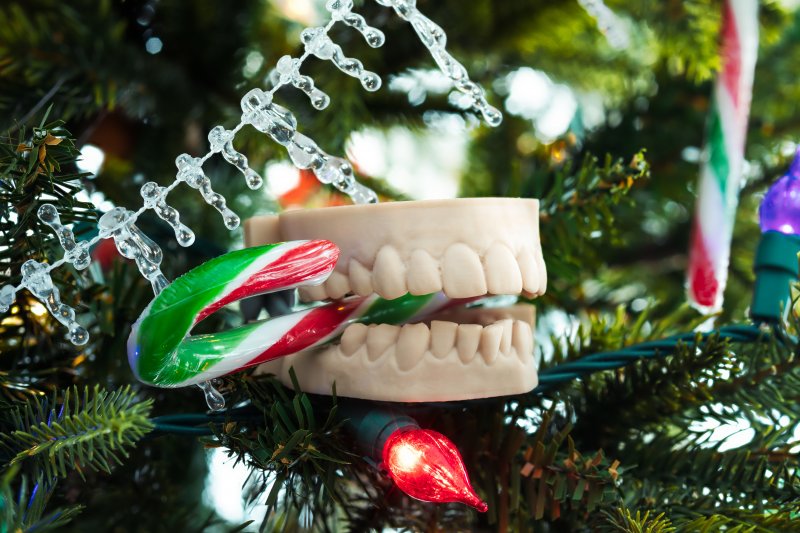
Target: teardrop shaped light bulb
point(426, 465)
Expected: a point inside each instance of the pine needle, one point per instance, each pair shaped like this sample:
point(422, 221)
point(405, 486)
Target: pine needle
point(90, 430)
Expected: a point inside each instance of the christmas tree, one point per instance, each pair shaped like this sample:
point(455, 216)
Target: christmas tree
point(668, 377)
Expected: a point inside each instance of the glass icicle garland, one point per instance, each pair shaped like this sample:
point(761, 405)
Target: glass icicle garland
point(259, 111)
point(221, 141)
point(435, 39)
point(317, 43)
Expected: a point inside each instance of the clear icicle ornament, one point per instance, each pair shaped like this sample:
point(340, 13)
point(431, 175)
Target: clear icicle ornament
point(277, 122)
point(190, 170)
point(342, 10)
point(221, 141)
point(268, 117)
point(318, 43)
point(288, 70)
point(363, 195)
point(76, 253)
point(155, 198)
point(7, 295)
point(132, 243)
point(304, 152)
point(435, 39)
point(214, 398)
point(340, 173)
point(36, 278)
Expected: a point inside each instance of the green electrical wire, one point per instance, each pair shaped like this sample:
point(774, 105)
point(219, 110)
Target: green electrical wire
point(198, 424)
point(598, 362)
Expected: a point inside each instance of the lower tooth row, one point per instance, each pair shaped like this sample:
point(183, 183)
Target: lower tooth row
point(411, 342)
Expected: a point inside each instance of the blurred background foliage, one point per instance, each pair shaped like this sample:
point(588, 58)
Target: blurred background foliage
point(609, 139)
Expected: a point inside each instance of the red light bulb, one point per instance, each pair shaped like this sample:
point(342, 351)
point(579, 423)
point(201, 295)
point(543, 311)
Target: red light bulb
point(427, 466)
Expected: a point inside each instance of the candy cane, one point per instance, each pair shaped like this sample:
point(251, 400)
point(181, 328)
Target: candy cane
point(161, 354)
point(721, 172)
point(159, 350)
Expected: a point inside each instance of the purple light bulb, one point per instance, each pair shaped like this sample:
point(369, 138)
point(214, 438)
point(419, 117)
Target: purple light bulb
point(780, 209)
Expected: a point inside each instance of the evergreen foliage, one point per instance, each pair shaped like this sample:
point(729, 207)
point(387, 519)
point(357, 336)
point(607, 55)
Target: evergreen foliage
point(28, 509)
point(641, 448)
point(622, 520)
point(90, 430)
point(300, 457)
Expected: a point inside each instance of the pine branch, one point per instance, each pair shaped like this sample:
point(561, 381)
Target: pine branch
point(39, 165)
point(294, 449)
point(645, 394)
point(756, 382)
point(35, 169)
point(621, 520)
point(600, 332)
point(728, 520)
point(91, 431)
point(738, 520)
point(750, 379)
point(672, 469)
point(591, 188)
point(577, 211)
point(27, 512)
point(557, 479)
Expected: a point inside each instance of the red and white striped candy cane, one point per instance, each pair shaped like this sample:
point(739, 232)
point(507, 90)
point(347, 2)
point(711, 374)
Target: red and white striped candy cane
point(721, 172)
point(161, 352)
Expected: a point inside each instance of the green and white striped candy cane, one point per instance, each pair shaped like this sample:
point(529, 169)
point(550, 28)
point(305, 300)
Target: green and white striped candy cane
point(162, 353)
point(160, 350)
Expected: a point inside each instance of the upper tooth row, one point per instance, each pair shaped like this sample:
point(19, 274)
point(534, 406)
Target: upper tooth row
point(411, 342)
point(461, 273)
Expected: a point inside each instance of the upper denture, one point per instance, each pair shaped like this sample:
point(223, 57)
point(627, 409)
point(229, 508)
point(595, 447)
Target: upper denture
point(465, 247)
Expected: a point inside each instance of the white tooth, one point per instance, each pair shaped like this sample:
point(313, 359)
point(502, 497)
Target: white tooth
point(443, 337)
point(379, 339)
point(522, 339)
point(505, 341)
point(360, 278)
point(312, 294)
point(490, 342)
point(411, 345)
point(389, 274)
point(542, 273)
point(337, 285)
point(502, 271)
point(530, 272)
point(462, 272)
point(423, 273)
point(353, 338)
point(467, 340)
